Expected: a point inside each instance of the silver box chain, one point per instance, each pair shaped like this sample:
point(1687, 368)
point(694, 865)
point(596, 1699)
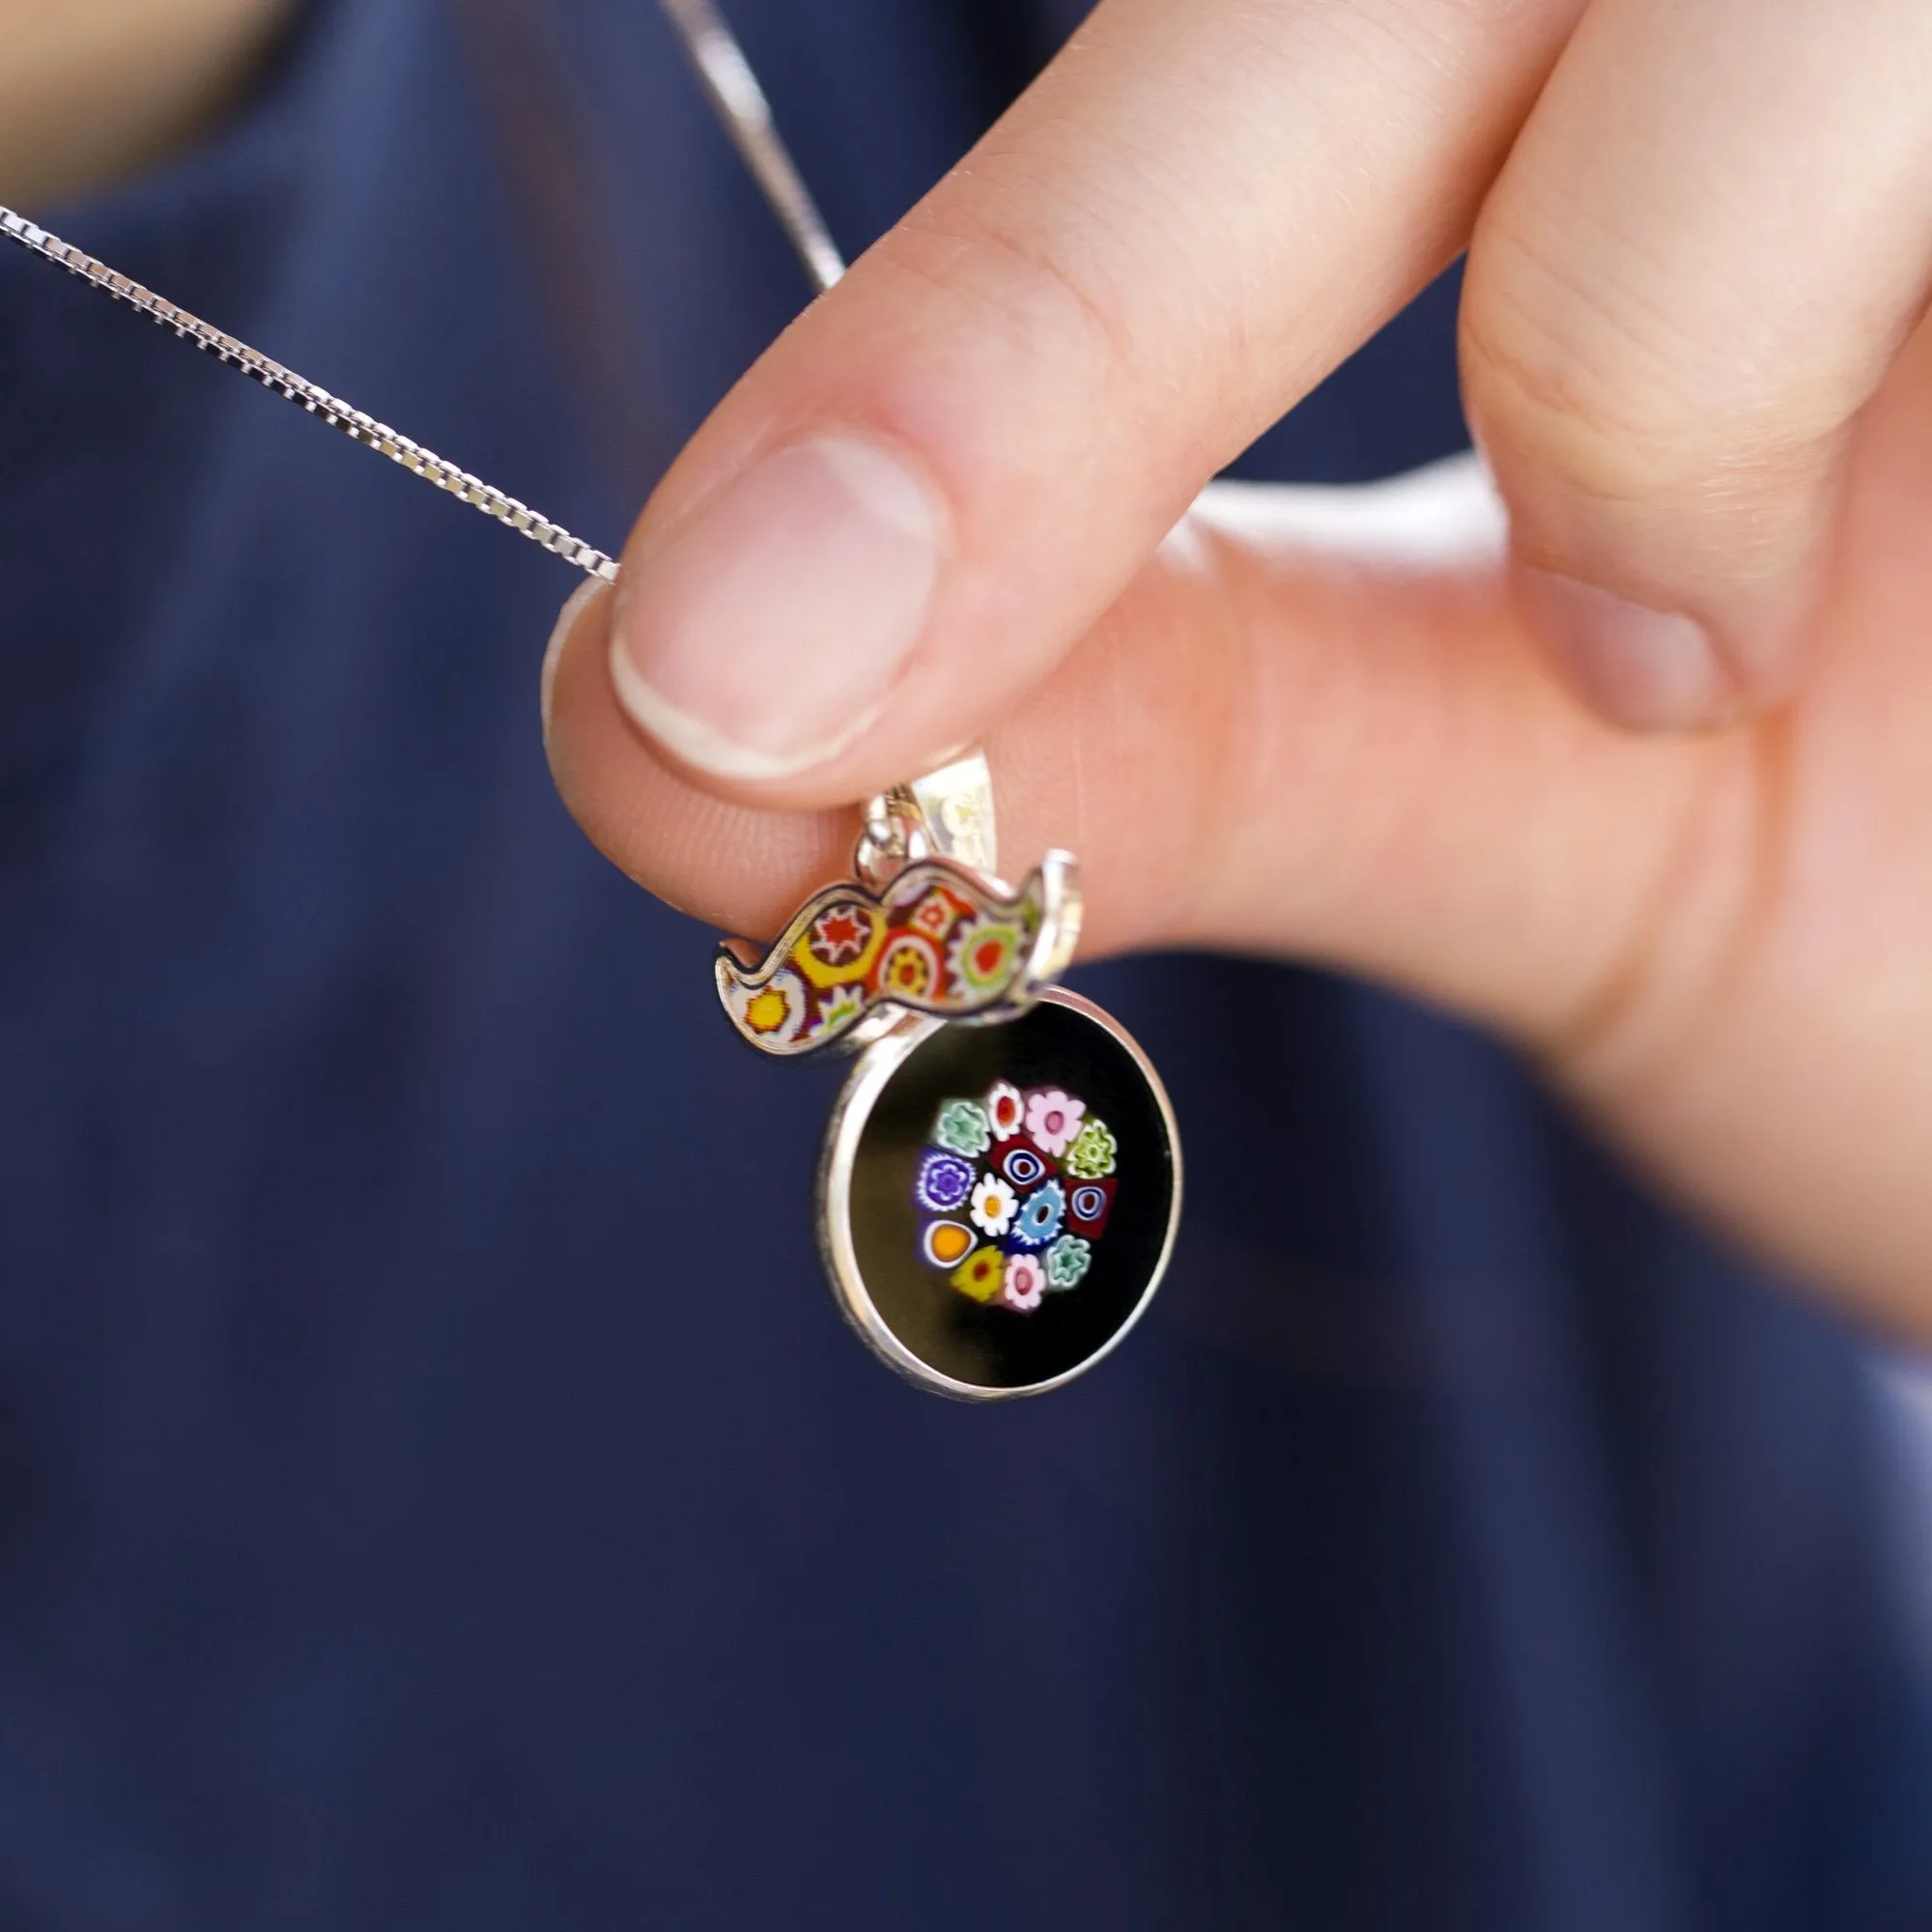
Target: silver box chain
point(308, 395)
point(740, 103)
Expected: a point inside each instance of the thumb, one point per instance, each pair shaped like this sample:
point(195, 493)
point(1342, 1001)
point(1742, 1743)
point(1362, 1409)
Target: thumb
point(955, 460)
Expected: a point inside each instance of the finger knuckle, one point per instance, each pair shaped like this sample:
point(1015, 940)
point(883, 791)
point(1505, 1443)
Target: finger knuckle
point(1615, 398)
point(1013, 281)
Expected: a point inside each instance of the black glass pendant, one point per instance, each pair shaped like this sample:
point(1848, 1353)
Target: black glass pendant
point(997, 1204)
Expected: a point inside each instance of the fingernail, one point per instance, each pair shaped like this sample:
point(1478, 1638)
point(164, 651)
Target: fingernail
point(1651, 670)
point(580, 599)
point(768, 631)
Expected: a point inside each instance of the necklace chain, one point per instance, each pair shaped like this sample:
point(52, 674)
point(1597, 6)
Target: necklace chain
point(733, 92)
point(310, 396)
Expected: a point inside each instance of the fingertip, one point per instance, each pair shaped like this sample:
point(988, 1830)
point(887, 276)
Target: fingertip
point(1641, 668)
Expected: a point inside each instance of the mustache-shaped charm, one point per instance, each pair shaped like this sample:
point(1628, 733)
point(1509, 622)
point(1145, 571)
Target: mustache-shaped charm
point(940, 939)
point(999, 1184)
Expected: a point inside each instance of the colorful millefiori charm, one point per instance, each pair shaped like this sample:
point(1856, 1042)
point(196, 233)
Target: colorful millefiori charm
point(947, 1243)
point(1019, 1200)
point(1067, 1261)
point(944, 1182)
point(1052, 1119)
point(983, 1276)
point(938, 939)
point(994, 1205)
point(1025, 1284)
point(1088, 1205)
point(963, 1127)
point(1093, 1152)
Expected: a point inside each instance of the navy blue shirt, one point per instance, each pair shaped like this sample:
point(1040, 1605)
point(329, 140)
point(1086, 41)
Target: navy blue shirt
point(436, 1489)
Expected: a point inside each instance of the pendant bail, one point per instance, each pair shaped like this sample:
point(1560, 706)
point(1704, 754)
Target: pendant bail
point(947, 814)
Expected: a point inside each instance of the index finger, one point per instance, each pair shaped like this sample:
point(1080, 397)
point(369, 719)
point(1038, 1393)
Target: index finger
point(945, 471)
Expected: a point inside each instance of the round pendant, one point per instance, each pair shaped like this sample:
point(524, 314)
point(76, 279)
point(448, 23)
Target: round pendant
point(997, 1204)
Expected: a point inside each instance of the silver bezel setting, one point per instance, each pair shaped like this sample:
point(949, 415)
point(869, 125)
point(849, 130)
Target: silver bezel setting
point(851, 1112)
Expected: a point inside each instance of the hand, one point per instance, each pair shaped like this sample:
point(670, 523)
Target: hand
point(1325, 723)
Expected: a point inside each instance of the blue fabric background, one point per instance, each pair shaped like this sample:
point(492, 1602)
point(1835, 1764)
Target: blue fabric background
point(435, 1488)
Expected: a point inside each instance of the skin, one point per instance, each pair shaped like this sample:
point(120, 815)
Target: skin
point(94, 90)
